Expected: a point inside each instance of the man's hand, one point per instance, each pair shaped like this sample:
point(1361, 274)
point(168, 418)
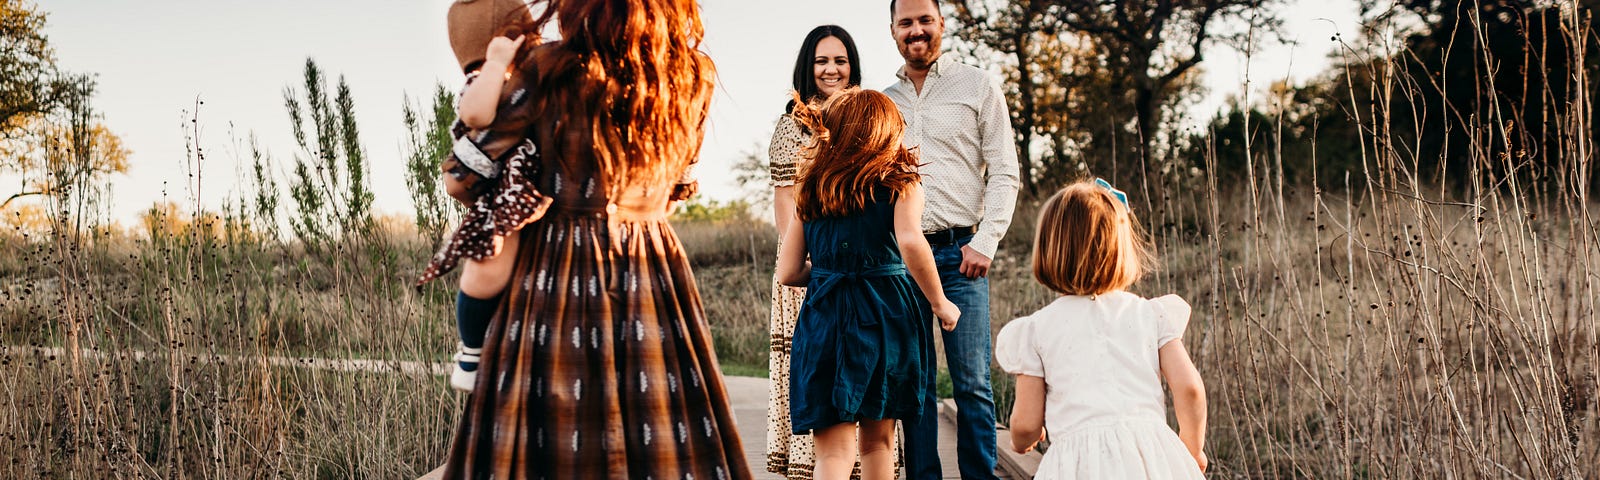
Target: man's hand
point(973, 264)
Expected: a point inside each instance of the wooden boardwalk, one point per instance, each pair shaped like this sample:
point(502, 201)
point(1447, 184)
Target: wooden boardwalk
point(749, 398)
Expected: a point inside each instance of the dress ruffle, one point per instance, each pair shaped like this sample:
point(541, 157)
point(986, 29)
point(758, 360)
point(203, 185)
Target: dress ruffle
point(514, 202)
point(1123, 448)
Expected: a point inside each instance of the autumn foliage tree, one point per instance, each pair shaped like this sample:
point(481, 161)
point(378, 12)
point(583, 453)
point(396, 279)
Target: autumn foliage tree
point(1092, 83)
point(31, 85)
point(65, 156)
point(50, 135)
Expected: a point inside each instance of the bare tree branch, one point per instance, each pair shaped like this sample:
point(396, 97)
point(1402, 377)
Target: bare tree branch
point(18, 195)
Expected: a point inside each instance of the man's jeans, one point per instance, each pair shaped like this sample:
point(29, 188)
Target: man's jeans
point(967, 350)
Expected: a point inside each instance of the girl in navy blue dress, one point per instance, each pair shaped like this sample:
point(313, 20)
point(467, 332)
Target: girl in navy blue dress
point(863, 345)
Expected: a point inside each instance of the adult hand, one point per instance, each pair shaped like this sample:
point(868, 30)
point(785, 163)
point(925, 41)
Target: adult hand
point(973, 264)
point(1200, 458)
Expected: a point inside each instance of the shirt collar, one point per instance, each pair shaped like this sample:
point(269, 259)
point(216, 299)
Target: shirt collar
point(935, 70)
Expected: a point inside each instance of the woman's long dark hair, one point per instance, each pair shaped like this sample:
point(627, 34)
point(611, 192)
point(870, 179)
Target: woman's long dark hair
point(805, 80)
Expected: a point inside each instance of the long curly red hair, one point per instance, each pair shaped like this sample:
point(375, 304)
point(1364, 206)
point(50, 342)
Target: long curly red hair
point(855, 151)
point(633, 70)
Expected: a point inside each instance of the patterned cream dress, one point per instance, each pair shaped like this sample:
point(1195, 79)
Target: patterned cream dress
point(790, 455)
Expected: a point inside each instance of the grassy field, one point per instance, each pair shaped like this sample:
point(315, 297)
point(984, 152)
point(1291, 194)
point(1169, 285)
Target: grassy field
point(1341, 335)
point(146, 396)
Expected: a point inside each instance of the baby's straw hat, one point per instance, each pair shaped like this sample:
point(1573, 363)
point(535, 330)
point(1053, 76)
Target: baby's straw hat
point(473, 23)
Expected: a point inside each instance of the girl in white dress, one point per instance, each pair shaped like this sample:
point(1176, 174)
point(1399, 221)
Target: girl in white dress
point(1089, 366)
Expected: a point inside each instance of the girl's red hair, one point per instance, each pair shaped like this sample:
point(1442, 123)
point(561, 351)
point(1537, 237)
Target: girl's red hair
point(855, 150)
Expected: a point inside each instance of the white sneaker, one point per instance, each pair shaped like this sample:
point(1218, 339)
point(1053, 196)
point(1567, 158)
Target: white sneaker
point(461, 379)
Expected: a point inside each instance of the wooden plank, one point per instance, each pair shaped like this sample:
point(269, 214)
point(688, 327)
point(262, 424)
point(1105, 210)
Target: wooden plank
point(1017, 465)
point(748, 397)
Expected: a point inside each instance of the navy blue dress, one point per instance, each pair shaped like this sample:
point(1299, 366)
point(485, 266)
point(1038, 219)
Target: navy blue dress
point(863, 345)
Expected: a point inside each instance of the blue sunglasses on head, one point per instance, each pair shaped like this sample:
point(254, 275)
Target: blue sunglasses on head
point(1114, 192)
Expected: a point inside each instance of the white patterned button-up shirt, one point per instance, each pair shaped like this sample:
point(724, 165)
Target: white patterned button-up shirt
point(964, 131)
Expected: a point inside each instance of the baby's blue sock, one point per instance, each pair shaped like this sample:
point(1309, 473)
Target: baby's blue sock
point(472, 320)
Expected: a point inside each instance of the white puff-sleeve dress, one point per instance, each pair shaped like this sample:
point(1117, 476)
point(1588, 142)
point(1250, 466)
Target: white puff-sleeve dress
point(1105, 411)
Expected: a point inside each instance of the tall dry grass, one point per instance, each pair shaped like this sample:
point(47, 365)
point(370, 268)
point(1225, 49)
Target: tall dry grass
point(1405, 325)
point(1380, 334)
point(160, 355)
point(1398, 328)
point(147, 358)
point(733, 262)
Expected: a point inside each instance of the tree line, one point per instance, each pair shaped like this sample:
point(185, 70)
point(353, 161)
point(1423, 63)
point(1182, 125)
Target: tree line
point(1095, 87)
point(1099, 86)
point(53, 140)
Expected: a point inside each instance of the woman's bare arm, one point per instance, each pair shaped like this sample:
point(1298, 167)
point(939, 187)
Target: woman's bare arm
point(793, 269)
point(783, 209)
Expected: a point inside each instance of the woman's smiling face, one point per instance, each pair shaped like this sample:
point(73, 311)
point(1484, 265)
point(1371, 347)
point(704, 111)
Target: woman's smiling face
point(831, 66)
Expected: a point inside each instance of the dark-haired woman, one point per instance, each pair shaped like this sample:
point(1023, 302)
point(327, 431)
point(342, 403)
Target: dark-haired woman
point(598, 362)
point(828, 62)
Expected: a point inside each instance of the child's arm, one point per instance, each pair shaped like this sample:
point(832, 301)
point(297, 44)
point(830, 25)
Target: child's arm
point(1027, 413)
point(919, 257)
point(1188, 398)
point(793, 269)
point(482, 97)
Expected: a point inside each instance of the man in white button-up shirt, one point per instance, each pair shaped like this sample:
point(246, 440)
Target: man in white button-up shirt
point(956, 115)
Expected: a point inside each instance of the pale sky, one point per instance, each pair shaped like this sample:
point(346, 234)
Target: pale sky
point(155, 58)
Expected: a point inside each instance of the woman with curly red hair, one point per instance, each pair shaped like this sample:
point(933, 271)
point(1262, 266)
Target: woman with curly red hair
point(598, 362)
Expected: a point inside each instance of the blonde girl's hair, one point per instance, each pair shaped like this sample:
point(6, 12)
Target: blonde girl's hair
point(1088, 242)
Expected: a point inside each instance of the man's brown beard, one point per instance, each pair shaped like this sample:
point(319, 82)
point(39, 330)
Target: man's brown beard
point(933, 53)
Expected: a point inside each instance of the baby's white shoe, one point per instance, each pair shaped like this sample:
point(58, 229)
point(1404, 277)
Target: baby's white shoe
point(465, 374)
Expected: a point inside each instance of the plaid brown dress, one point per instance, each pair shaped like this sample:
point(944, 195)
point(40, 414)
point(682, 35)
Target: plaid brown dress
point(599, 362)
